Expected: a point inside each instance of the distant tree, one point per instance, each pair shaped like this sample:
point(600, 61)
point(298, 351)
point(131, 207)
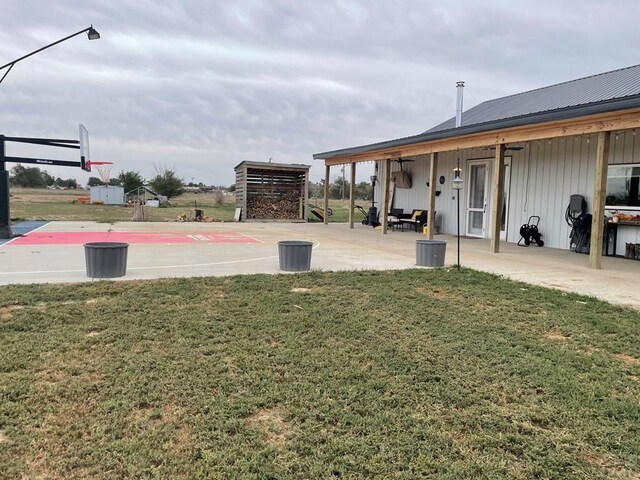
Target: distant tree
point(232, 187)
point(115, 182)
point(130, 180)
point(364, 191)
point(68, 183)
point(339, 189)
point(48, 179)
point(94, 182)
point(316, 190)
point(167, 183)
point(29, 177)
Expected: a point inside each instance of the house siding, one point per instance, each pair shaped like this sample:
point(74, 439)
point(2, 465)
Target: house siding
point(544, 174)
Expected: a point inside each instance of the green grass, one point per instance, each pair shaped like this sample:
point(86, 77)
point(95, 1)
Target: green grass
point(45, 204)
point(411, 374)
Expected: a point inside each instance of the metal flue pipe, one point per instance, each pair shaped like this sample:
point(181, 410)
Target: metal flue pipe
point(460, 87)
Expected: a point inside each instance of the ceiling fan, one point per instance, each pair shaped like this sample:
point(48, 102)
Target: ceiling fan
point(401, 160)
point(513, 149)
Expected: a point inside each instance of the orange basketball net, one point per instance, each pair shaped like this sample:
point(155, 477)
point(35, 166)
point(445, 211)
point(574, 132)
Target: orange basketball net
point(104, 170)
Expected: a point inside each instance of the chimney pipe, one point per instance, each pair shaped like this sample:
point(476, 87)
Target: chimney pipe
point(460, 87)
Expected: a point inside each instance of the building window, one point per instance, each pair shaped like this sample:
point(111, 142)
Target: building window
point(622, 186)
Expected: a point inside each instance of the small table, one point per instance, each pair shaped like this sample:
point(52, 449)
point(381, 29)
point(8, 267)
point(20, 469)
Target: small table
point(394, 222)
point(611, 230)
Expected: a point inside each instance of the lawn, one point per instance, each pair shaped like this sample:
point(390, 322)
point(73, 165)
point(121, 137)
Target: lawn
point(45, 204)
point(37, 204)
point(354, 375)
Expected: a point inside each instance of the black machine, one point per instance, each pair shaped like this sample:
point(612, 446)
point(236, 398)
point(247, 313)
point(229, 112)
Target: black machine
point(370, 217)
point(529, 232)
point(579, 220)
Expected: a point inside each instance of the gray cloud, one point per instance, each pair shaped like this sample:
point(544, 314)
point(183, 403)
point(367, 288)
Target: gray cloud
point(203, 85)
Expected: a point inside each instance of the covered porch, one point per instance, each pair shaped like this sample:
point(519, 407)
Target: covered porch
point(570, 156)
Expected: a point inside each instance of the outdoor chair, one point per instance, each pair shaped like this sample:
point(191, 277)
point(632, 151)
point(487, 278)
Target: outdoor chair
point(417, 220)
point(394, 218)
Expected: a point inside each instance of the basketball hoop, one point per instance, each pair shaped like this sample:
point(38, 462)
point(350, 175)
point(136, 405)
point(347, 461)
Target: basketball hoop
point(103, 168)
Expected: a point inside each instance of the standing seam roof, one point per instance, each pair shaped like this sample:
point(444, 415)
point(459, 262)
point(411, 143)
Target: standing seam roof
point(612, 85)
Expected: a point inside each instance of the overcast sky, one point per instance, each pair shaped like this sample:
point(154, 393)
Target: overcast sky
point(199, 86)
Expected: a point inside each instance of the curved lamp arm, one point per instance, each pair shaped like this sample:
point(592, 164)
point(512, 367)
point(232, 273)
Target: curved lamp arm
point(92, 33)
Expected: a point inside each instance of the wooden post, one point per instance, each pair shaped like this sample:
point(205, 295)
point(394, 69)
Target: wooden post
point(497, 197)
point(327, 169)
point(431, 220)
point(384, 205)
point(352, 193)
point(599, 199)
point(306, 196)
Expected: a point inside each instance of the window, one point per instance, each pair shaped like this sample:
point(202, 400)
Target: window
point(622, 186)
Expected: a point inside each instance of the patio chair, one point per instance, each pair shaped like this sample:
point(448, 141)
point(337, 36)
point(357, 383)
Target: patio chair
point(417, 220)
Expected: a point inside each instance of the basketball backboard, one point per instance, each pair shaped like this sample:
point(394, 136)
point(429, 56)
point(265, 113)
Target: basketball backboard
point(85, 157)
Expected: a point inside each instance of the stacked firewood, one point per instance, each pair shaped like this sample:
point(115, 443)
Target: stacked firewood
point(281, 207)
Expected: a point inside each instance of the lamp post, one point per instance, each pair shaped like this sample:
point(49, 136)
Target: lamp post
point(457, 185)
point(5, 220)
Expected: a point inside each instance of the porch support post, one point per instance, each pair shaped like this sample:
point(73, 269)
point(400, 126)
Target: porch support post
point(386, 163)
point(327, 169)
point(431, 220)
point(496, 197)
point(352, 193)
point(599, 197)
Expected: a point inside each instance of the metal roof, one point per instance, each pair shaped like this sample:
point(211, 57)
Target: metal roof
point(605, 92)
point(272, 166)
point(596, 88)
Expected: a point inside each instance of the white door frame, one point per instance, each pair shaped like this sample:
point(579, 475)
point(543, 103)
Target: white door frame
point(507, 192)
point(485, 202)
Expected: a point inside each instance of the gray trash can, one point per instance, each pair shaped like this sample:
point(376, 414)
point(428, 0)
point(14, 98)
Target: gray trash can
point(430, 253)
point(106, 259)
point(295, 255)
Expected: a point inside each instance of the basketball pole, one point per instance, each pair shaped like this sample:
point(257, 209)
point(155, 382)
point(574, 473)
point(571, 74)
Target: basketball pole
point(5, 213)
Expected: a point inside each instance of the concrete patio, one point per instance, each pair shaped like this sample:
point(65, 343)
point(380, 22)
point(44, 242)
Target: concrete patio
point(336, 247)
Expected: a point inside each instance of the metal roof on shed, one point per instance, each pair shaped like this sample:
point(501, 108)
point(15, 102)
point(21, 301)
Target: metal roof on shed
point(272, 166)
point(605, 92)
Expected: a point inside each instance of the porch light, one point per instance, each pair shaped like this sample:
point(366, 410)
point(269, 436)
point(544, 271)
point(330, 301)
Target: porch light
point(374, 179)
point(457, 183)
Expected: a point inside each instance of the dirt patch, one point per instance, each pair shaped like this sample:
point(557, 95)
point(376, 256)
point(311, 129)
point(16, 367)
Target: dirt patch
point(93, 334)
point(6, 313)
point(3, 437)
point(300, 290)
point(610, 465)
point(271, 423)
point(438, 293)
point(627, 359)
point(272, 342)
point(555, 335)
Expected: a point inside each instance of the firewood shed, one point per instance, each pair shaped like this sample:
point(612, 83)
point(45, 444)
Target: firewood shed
point(275, 192)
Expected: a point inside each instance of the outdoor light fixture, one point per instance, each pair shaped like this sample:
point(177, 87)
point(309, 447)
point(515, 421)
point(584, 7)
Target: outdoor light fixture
point(374, 179)
point(91, 32)
point(456, 184)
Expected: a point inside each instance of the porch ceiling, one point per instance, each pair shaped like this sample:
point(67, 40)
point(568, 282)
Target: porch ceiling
point(465, 137)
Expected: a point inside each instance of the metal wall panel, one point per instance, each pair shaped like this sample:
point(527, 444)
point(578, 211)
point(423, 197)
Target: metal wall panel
point(543, 177)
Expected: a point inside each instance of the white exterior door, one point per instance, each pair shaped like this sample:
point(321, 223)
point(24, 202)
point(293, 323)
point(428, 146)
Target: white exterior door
point(477, 198)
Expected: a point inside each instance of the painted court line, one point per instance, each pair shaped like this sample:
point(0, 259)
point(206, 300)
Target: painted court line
point(162, 267)
point(78, 238)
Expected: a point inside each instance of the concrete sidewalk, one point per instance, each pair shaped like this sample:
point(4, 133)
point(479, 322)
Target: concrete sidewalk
point(336, 247)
